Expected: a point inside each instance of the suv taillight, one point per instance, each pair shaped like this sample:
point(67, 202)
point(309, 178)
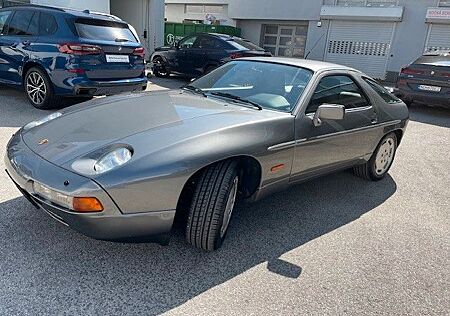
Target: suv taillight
point(410, 71)
point(79, 49)
point(139, 51)
point(236, 55)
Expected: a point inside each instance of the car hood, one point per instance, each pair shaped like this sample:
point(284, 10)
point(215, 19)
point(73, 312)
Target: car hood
point(92, 125)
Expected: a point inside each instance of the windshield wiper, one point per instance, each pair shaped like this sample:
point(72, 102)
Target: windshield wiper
point(195, 90)
point(121, 40)
point(237, 98)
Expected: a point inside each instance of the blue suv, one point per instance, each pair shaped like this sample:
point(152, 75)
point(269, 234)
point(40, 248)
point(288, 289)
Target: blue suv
point(56, 53)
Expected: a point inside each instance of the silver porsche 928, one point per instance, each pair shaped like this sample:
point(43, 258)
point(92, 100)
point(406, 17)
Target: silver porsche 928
point(124, 166)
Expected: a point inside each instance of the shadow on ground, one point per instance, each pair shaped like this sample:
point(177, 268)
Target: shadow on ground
point(48, 268)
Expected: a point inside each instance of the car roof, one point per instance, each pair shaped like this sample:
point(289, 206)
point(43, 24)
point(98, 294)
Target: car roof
point(73, 12)
point(313, 65)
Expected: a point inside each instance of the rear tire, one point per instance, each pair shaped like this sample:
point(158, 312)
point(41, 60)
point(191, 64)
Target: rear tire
point(39, 90)
point(380, 162)
point(161, 70)
point(212, 205)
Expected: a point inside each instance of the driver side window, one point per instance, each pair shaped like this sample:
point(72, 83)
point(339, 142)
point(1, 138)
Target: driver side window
point(337, 89)
point(188, 42)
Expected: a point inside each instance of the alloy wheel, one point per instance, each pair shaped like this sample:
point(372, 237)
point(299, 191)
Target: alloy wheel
point(385, 156)
point(36, 88)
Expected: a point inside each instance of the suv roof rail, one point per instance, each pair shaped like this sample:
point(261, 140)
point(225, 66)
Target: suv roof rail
point(29, 5)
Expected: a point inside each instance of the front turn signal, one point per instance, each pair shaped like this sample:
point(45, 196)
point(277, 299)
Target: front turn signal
point(87, 205)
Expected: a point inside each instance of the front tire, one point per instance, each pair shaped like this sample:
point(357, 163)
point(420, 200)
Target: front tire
point(39, 90)
point(381, 161)
point(212, 205)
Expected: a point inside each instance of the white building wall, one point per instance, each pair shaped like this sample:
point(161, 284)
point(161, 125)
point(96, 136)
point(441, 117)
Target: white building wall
point(146, 16)
point(97, 5)
point(176, 12)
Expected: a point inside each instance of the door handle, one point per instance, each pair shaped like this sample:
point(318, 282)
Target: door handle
point(374, 121)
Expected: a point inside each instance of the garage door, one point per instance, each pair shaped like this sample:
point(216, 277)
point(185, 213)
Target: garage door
point(361, 45)
point(438, 37)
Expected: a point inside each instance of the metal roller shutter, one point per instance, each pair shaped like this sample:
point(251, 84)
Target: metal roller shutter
point(361, 45)
point(438, 37)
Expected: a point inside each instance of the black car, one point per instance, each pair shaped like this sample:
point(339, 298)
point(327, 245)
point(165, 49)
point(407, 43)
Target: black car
point(198, 54)
point(426, 80)
point(55, 53)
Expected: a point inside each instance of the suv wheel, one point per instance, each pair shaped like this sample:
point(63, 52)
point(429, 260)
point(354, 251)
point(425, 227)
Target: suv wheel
point(160, 69)
point(212, 205)
point(39, 89)
point(381, 161)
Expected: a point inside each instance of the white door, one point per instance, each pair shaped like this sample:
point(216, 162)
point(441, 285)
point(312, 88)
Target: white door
point(361, 45)
point(438, 37)
point(286, 40)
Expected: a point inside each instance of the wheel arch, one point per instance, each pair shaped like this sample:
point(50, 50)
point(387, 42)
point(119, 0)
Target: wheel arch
point(250, 171)
point(399, 134)
point(30, 64)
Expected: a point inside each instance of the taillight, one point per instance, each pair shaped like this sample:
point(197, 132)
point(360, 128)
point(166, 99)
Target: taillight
point(139, 51)
point(79, 49)
point(236, 55)
point(410, 71)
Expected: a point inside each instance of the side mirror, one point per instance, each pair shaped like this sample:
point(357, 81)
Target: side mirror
point(176, 44)
point(328, 112)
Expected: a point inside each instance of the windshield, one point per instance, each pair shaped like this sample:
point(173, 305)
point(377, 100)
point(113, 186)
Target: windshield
point(104, 30)
point(272, 86)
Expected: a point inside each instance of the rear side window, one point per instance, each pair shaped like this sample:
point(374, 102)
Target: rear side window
point(4, 15)
point(47, 24)
point(244, 44)
point(382, 92)
point(20, 22)
point(104, 30)
point(338, 89)
point(208, 42)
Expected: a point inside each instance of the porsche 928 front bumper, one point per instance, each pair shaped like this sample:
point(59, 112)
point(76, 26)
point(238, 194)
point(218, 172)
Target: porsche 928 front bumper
point(24, 167)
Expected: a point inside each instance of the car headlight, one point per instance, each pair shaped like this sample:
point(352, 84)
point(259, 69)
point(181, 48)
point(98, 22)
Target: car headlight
point(112, 160)
point(42, 120)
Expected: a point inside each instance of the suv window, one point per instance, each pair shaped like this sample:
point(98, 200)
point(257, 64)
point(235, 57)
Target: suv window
point(104, 30)
point(4, 15)
point(47, 24)
point(243, 44)
point(382, 92)
point(20, 22)
point(33, 27)
point(188, 42)
point(340, 89)
point(208, 42)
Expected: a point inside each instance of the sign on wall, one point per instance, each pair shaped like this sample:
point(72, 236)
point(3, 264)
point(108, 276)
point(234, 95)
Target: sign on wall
point(438, 14)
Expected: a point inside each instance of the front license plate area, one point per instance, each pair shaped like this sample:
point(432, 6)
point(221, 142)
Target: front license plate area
point(429, 88)
point(117, 58)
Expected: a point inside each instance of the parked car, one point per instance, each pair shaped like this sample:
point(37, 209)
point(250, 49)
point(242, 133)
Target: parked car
point(125, 166)
point(426, 80)
point(55, 53)
point(198, 54)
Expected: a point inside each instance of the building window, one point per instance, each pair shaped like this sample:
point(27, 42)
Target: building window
point(444, 3)
point(203, 9)
point(285, 40)
point(367, 3)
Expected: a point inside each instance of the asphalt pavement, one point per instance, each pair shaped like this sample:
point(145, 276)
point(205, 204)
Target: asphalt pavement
point(337, 245)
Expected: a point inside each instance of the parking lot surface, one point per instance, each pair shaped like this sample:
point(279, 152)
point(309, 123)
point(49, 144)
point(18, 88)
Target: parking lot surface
point(336, 245)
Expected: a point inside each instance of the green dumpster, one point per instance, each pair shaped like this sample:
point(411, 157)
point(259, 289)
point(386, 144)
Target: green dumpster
point(175, 31)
